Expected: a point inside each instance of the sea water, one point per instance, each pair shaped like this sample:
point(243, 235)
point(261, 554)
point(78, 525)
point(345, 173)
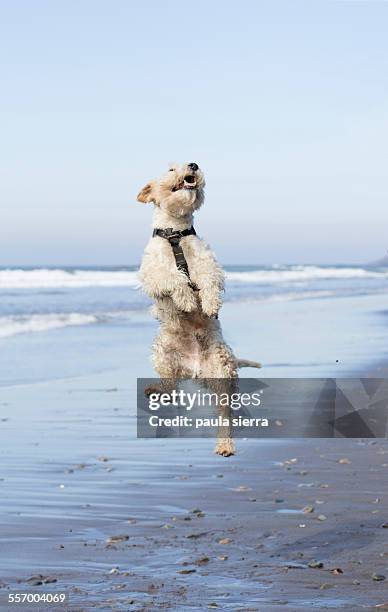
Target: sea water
point(300, 320)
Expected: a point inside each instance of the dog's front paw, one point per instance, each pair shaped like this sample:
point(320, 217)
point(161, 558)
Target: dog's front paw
point(184, 298)
point(210, 302)
point(225, 447)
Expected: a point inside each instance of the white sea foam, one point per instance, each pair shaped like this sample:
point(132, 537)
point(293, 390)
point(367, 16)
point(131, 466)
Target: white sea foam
point(13, 325)
point(24, 324)
point(300, 274)
point(41, 278)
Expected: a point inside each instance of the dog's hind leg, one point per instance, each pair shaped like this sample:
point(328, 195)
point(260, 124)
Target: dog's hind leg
point(168, 363)
point(220, 369)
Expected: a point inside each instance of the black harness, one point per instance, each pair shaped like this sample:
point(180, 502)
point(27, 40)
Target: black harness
point(174, 237)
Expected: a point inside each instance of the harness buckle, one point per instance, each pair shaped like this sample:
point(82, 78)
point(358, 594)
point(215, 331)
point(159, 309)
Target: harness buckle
point(174, 237)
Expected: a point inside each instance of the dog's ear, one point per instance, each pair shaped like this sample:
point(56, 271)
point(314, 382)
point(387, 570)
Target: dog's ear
point(147, 194)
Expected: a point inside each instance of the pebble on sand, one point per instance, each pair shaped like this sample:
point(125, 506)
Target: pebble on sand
point(117, 538)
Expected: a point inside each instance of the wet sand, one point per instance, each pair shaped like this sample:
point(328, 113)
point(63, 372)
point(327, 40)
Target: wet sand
point(126, 524)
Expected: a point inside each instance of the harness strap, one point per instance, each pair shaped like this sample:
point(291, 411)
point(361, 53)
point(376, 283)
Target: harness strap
point(174, 237)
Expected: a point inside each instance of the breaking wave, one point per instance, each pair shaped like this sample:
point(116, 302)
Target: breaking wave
point(293, 274)
point(24, 324)
point(41, 278)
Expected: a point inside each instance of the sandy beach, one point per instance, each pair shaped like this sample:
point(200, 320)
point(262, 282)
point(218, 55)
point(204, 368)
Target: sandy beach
point(118, 523)
point(124, 524)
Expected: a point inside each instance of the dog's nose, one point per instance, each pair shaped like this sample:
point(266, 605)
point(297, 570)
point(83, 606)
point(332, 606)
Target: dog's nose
point(193, 166)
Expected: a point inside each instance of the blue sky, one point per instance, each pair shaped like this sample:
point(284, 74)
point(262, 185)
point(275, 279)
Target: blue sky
point(283, 104)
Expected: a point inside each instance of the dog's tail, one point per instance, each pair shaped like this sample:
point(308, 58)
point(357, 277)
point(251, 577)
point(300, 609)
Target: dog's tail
point(247, 363)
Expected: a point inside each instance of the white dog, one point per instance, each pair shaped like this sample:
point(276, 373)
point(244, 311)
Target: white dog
point(181, 274)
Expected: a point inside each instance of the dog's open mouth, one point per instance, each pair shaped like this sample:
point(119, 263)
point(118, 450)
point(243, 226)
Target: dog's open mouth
point(189, 182)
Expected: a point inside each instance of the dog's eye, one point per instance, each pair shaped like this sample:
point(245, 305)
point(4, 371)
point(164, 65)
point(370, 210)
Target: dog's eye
point(171, 169)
